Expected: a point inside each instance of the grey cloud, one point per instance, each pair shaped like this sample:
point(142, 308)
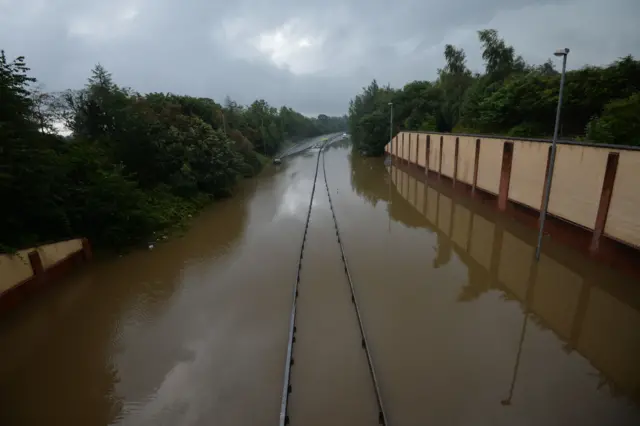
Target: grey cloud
point(325, 51)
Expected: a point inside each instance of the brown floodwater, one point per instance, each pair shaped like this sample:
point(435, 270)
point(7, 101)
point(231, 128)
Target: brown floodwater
point(464, 326)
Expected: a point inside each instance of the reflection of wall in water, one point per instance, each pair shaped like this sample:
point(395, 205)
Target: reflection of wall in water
point(600, 326)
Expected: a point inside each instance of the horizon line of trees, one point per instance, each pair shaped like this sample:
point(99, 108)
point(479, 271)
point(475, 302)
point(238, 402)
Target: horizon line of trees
point(510, 97)
point(134, 164)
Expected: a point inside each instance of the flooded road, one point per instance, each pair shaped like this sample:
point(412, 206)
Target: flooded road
point(464, 327)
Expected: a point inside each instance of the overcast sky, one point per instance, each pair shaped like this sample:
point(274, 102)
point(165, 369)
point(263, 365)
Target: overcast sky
point(313, 55)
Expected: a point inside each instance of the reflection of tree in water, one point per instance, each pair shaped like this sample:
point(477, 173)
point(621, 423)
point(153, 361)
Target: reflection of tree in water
point(443, 254)
point(370, 182)
point(341, 144)
point(369, 178)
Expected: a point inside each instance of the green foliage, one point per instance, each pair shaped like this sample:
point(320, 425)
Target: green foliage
point(134, 165)
point(500, 59)
point(619, 123)
point(510, 98)
point(453, 81)
point(369, 122)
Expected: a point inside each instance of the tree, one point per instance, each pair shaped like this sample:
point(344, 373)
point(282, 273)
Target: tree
point(456, 61)
point(454, 80)
point(134, 165)
point(510, 98)
point(619, 122)
point(500, 59)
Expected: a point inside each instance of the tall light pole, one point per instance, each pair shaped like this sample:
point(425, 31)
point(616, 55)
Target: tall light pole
point(547, 187)
point(391, 130)
point(390, 160)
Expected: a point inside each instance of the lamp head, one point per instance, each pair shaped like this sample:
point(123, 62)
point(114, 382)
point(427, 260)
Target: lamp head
point(561, 52)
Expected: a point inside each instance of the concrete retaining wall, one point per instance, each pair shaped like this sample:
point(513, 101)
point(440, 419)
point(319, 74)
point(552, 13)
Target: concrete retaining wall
point(623, 219)
point(594, 187)
point(37, 266)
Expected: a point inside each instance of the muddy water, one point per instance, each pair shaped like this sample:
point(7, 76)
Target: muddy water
point(330, 377)
point(464, 327)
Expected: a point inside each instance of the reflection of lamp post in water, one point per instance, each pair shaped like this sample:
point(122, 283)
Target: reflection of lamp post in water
point(507, 401)
point(552, 158)
point(533, 276)
point(389, 161)
point(389, 198)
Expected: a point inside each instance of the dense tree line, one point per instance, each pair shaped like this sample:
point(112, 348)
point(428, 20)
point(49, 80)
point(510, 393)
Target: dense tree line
point(133, 165)
point(511, 97)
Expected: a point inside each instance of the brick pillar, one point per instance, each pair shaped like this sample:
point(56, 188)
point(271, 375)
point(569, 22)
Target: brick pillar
point(87, 253)
point(440, 160)
point(505, 175)
point(605, 200)
point(426, 166)
point(476, 162)
point(36, 266)
point(455, 162)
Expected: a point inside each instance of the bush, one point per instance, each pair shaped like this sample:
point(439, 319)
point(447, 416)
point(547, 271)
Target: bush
point(135, 164)
point(619, 123)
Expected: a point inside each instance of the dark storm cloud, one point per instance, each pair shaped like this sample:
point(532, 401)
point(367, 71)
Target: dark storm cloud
point(311, 55)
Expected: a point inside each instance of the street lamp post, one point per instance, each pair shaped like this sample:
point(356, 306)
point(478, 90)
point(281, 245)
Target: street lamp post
point(547, 188)
point(391, 130)
point(390, 158)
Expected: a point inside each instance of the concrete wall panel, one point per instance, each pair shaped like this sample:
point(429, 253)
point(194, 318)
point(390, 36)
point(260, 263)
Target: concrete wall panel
point(413, 137)
point(577, 183)
point(395, 148)
point(51, 254)
point(422, 150)
point(448, 155)
point(528, 170)
point(466, 159)
point(434, 155)
point(490, 164)
point(405, 146)
point(14, 269)
point(623, 220)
